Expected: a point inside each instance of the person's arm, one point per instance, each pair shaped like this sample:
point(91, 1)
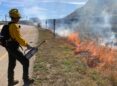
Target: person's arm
point(15, 34)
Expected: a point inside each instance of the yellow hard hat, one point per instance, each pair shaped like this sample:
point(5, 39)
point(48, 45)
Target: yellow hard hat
point(14, 13)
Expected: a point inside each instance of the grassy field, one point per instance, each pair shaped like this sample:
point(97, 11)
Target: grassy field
point(57, 65)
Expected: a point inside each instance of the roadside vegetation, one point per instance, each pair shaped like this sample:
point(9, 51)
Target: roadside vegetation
point(56, 64)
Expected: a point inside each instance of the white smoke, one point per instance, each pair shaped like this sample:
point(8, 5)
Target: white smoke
point(64, 31)
point(106, 32)
point(94, 21)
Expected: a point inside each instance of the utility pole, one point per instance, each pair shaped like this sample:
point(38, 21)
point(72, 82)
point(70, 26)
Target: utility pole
point(26, 17)
point(5, 18)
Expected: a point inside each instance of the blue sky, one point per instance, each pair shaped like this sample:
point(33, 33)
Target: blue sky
point(43, 9)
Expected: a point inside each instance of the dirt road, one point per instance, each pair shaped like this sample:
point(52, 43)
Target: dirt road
point(30, 33)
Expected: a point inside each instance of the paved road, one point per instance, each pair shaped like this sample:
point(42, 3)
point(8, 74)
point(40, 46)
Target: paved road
point(30, 33)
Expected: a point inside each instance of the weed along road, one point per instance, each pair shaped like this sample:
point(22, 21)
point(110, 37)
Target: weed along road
point(30, 33)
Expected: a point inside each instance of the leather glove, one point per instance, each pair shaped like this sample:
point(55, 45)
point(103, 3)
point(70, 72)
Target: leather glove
point(28, 46)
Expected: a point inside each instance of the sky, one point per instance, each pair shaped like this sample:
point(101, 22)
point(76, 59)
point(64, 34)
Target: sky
point(43, 9)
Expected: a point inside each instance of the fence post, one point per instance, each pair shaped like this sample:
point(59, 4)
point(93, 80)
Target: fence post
point(46, 24)
point(54, 22)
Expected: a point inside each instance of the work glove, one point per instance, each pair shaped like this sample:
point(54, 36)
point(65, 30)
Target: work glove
point(29, 47)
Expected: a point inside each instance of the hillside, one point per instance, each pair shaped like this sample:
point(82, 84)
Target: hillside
point(57, 65)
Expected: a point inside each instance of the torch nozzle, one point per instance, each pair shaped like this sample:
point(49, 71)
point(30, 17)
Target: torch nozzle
point(42, 43)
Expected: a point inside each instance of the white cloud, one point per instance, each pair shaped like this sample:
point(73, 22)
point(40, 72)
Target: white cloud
point(46, 1)
point(14, 4)
point(28, 8)
point(32, 8)
point(17, 3)
point(0, 2)
point(38, 1)
point(77, 3)
point(28, 3)
point(35, 11)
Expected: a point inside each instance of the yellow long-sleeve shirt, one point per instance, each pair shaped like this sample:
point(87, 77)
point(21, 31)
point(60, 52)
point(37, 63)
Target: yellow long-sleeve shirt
point(14, 31)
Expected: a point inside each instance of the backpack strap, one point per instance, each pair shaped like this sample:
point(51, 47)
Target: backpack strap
point(11, 37)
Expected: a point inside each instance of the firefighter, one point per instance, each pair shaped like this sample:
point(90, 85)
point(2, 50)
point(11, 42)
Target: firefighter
point(14, 53)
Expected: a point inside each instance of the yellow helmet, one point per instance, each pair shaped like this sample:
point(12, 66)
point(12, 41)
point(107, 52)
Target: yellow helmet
point(14, 13)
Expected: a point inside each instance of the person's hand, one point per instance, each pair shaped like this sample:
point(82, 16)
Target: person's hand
point(28, 46)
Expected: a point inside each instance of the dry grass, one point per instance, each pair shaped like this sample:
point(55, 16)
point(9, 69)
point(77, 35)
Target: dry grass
point(57, 65)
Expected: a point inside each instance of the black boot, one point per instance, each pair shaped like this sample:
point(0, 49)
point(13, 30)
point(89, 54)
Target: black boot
point(13, 83)
point(28, 82)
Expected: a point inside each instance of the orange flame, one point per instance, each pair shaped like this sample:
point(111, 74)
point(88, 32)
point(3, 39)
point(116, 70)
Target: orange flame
point(74, 38)
point(104, 54)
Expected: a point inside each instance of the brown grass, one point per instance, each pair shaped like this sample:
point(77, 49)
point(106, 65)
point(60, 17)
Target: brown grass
point(57, 65)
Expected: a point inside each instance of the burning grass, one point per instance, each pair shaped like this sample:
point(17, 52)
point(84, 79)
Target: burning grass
point(57, 65)
point(96, 53)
